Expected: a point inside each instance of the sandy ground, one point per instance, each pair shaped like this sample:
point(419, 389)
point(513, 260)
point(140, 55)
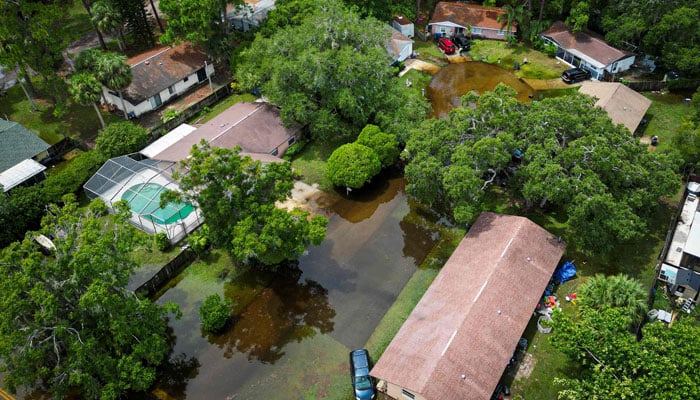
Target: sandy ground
point(307, 197)
point(420, 65)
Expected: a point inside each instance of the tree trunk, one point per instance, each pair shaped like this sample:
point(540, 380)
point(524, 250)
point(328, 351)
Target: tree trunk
point(155, 14)
point(121, 97)
point(120, 41)
point(97, 31)
point(99, 115)
point(539, 19)
point(418, 9)
point(28, 80)
point(31, 101)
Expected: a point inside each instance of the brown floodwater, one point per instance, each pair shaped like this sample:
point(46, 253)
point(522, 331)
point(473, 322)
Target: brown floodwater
point(455, 80)
point(292, 332)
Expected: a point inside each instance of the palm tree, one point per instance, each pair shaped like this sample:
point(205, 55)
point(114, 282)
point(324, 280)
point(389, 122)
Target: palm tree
point(512, 15)
point(617, 291)
point(86, 89)
point(87, 6)
point(107, 19)
point(115, 74)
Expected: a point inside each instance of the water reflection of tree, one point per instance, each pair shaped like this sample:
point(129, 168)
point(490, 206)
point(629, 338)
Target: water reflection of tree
point(285, 311)
point(419, 238)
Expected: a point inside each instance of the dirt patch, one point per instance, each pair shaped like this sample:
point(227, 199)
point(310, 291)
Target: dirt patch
point(420, 65)
point(525, 367)
point(307, 197)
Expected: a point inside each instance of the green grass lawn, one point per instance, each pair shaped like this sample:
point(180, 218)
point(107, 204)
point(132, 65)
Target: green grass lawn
point(539, 66)
point(310, 164)
point(428, 51)
point(79, 122)
point(665, 117)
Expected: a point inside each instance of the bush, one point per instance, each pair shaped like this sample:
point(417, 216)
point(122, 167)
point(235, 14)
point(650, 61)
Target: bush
point(384, 145)
point(295, 149)
point(121, 138)
point(72, 178)
point(168, 115)
point(214, 313)
point(352, 165)
point(199, 240)
point(98, 207)
point(550, 49)
point(161, 241)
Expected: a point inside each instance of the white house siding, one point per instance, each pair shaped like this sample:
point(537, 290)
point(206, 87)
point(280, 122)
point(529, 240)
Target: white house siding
point(397, 392)
point(450, 29)
point(178, 87)
point(405, 50)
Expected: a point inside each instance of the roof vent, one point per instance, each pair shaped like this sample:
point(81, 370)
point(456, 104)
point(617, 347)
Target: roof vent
point(160, 63)
point(147, 62)
point(463, 377)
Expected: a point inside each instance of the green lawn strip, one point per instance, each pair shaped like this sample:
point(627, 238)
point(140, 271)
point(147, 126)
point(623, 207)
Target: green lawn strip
point(208, 113)
point(665, 116)
point(310, 163)
point(419, 81)
point(79, 121)
point(429, 51)
point(78, 23)
point(539, 66)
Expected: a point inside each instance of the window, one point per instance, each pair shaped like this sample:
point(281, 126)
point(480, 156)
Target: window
point(501, 32)
point(476, 31)
point(408, 395)
point(186, 79)
point(113, 93)
point(291, 140)
point(275, 152)
point(443, 31)
point(171, 90)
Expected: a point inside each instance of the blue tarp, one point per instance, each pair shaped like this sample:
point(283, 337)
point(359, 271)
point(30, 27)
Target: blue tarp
point(565, 272)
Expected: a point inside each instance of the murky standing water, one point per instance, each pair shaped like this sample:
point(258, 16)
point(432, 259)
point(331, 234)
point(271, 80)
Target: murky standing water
point(455, 80)
point(292, 333)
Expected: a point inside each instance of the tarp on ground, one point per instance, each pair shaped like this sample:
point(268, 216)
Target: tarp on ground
point(564, 273)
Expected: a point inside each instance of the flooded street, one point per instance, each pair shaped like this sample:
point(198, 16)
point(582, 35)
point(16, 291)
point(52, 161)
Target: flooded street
point(455, 80)
point(292, 332)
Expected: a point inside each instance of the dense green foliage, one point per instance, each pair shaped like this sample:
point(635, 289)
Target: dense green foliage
point(384, 145)
point(574, 159)
point(352, 165)
point(214, 313)
point(121, 138)
point(72, 178)
point(330, 72)
point(615, 365)
point(619, 291)
point(237, 197)
point(67, 323)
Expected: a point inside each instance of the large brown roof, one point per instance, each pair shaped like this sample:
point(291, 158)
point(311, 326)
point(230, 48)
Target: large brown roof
point(160, 68)
point(587, 44)
point(468, 15)
point(623, 105)
point(470, 319)
point(255, 127)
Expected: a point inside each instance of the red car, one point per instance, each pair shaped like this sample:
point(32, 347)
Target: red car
point(446, 45)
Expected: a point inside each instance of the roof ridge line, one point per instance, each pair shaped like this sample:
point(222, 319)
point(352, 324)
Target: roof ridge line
point(155, 55)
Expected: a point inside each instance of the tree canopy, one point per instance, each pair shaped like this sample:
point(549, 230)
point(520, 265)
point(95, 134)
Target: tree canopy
point(67, 322)
point(614, 364)
point(331, 72)
point(237, 196)
point(352, 165)
point(384, 145)
point(573, 158)
point(121, 138)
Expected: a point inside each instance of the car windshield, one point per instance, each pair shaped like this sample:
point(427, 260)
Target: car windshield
point(363, 383)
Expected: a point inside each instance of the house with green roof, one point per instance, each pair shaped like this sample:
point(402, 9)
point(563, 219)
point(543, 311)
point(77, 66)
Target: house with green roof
point(20, 153)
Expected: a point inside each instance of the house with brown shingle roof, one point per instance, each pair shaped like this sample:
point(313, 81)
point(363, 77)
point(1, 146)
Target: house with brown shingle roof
point(623, 105)
point(587, 51)
point(450, 19)
point(161, 75)
point(459, 338)
point(256, 128)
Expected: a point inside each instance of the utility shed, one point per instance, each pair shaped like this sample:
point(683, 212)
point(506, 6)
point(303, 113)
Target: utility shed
point(459, 338)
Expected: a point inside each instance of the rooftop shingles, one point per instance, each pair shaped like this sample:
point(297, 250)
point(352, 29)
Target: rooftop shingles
point(585, 43)
point(470, 319)
point(468, 15)
point(17, 144)
point(623, 105)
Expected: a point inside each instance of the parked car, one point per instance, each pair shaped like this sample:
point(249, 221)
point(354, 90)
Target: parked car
point(362, 382)
point(446, 45)
point(462, 42)
point(575, 75)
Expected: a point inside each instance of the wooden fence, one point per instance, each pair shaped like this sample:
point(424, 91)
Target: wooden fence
point(187, 113)
point(169, 271)
point(647, 86)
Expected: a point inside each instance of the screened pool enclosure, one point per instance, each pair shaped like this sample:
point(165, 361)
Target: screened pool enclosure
point(140, 182)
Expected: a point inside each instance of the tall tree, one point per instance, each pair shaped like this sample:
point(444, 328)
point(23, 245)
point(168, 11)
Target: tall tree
point(331, 72)
point(67, 323)
point(88, 8)
point(618, 291)
point(133, 15)
point(513, 16)
point(121, 138)
point(107, 19)
point(574, 159)
point(86, 90)
point(115, 74)
point(199, 22)
point(237, 197)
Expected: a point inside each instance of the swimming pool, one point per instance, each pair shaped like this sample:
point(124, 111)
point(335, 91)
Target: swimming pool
point(144, 199)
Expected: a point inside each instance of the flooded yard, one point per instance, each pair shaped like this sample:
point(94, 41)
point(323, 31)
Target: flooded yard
point(292, 332)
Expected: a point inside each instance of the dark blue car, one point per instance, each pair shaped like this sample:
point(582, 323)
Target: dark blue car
point(362, 383)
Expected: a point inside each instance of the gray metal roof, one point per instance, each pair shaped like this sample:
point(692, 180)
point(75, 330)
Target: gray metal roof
point(19, 173)
point(17, 144)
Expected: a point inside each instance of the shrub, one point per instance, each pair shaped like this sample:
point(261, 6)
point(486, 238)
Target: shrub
point(161, 241)
point(384, 145)
point(295, 149)
point(121, 138)
point(168, 115)
point(98, 207)
point(214, 313)
point(550, 49)
point(199, 240)
point(352, 165)
point(72, 178)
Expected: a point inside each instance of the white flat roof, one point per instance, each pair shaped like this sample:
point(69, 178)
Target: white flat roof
point(167, 140)
point(681, 234)
point(20, 173)
point(692, 245)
